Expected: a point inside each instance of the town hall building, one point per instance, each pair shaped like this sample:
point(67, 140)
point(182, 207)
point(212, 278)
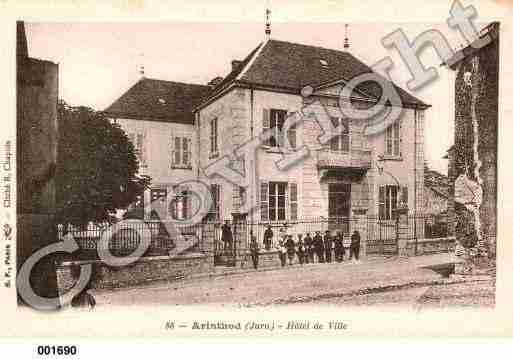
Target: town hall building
point(179, 129)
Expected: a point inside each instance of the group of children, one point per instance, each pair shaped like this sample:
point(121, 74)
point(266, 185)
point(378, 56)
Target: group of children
point(308, 249)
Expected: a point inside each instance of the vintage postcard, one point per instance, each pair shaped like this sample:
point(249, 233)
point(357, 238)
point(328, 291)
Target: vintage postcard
point(253, 169)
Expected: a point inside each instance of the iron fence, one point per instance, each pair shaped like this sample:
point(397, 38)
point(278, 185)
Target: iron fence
point(380, 235)
point(124, 238)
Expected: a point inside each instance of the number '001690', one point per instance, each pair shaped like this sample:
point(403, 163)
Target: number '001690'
point(56, 350)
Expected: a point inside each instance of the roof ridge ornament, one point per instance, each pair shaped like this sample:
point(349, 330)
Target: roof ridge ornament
point(346, 40)
point(268, 23)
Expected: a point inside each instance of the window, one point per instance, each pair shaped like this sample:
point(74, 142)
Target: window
point(389, 199)
point(179, 207)
point(181, 154)
point(239, 197)
point(393, 140)
point(213, 137)
point(158, 194)
point(274, 121)
point(158, 202)
point(137, 140)
point(214, 213)
point(340, 142)
point(274, 199)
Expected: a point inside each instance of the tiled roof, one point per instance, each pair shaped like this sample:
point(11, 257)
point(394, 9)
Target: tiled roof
point(160, 100)
point(437, 182)
point(491, 30)
point(286, 65)
point(273, 64)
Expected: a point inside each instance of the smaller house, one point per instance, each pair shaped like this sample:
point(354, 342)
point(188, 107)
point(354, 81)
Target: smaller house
point(437, 192)
point(157, 117)
point(437, 201)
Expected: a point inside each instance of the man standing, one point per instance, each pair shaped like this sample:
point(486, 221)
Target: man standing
point(291, 248)
point(309, 255)
point(254, 250)
point(268, 238)
point(339, 247)
point(300, 249)
point(282, 251)
point(319, 247)
point(328, 244)
point(355, 245)
point(226, 235)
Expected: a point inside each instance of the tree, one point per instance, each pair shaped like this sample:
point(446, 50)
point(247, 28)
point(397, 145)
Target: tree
point(96, 167)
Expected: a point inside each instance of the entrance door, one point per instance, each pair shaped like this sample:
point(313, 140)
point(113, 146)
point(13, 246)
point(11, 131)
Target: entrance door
point(339, 205)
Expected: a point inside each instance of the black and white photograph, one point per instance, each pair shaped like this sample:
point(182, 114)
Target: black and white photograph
point(266, 163)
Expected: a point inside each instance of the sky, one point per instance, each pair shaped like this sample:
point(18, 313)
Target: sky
point(98, 62)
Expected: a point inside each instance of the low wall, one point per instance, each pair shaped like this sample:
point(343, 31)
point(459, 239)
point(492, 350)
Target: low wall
point(146, 269)
point(268, 259)
point(430, 245)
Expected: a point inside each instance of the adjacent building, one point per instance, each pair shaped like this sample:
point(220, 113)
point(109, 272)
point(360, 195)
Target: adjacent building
point(158, 118)
point(473, 158)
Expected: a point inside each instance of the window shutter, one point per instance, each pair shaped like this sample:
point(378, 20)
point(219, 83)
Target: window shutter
point(186, 204)
point(388, 141)
point(381, 211)
point(291, 135)
point(185, 155)
point(177, 151)
point(140, 149)
point(211, 136)
point(293, 201)
point(216, 137)
point(235, 198)
point(266, 124)
point(396, 138)
point(189, 157)
point(400, 138)
point(264, 201)
point(345, 137)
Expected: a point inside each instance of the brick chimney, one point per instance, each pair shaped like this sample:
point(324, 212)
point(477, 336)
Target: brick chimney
point(236, 64)
point(215, 81)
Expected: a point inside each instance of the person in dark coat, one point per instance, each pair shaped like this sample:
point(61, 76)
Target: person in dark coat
point(309, 249)
point(254, 250)
point(319, 247)
point(300, 249)
point(291, 248)
point(339, 247)
point(226, 235)
point(355, 245)
point(282, 251)
point(328, 246)
point(268, 238)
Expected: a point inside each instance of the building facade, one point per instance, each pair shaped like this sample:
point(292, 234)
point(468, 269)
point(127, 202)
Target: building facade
point(351, 173)
point(157, 117)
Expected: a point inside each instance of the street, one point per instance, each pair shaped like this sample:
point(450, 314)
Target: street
point(373, 281)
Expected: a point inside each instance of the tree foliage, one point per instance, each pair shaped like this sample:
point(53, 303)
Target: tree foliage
point(96, 167)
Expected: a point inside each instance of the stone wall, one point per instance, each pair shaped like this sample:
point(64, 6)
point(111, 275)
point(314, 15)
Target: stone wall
point(144, 270)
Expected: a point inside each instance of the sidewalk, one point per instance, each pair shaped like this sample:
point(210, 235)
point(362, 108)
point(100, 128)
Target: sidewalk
point(286, 285)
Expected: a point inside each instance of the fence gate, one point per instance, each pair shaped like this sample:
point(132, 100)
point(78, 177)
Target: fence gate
point(382, 236)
